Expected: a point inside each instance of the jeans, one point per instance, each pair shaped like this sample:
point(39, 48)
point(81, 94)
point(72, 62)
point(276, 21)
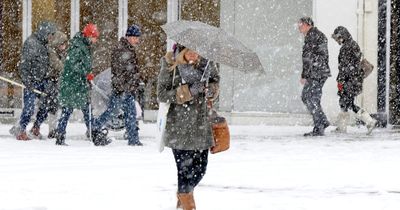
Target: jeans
point(311, 97)
point(191, 166)
point(128, 106)
point(29, 106)
point(65, 115)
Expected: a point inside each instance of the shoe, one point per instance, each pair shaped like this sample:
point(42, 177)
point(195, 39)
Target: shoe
point(22, 136)
point(35, 133)
point(100, 138)
point(52, 134)
point(138, 143)
point(60, 140)
point(314, 133)
point(318, 131)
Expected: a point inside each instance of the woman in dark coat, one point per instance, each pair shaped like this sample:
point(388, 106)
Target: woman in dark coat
point(350, 80)
point(188, 129)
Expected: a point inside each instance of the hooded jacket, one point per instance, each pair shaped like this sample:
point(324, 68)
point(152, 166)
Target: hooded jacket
point(350, 73)
point(34, 66)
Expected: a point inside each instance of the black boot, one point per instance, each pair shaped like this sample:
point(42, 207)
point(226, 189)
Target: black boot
point(60, 140)
point(100, 137)
point(318, 130)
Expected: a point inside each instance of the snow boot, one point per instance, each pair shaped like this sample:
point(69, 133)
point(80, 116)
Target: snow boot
point(60, 140)
point(342, 120)
point(187, 201)
point(22, 136)
point(370, 122)
point(100, 137)
point(35, 133)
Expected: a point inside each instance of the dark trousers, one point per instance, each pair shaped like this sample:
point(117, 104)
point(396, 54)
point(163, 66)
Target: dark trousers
point(191, 165)
point(127, 102)
point(65, 115)
point(29, 106)
point(311, 97)
point(346, 102)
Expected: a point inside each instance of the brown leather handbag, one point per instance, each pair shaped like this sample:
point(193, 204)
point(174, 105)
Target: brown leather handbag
point(220, 133)
point(366, 67)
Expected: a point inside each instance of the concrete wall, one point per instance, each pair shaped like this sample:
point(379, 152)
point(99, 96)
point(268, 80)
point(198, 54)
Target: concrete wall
point(269, 28)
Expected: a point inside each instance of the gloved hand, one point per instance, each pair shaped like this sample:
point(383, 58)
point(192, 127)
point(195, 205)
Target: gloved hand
point(90, 77)
point(197, 88)
point(340, 86)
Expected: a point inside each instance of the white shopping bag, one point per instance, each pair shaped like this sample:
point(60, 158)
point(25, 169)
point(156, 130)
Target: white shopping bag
point(138, 110)
point(161, 123)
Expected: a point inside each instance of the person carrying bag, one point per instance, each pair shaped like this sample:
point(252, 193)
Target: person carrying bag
point(188, 128)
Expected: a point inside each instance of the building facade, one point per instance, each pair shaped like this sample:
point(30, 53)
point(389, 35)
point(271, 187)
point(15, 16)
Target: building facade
point(267, 27)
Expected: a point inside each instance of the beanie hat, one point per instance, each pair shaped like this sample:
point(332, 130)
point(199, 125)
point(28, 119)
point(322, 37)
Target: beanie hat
point(90, 30)
point(133, 30)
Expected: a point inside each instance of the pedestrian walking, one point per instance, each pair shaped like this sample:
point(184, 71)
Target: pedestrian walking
point(315, 73)
point(74, 87)
point(350, 81)
point(125, 81)
point(34, 69)
point(188, 128)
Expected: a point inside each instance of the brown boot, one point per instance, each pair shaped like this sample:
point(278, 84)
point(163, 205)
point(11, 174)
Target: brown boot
point(187, 201)
point(178, 203)
point(35, 132)
point(22, 136)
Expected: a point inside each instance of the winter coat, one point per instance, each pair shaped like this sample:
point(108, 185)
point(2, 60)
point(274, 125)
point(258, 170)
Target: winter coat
point(350, 73)
point(74, 88)
point(315, 56)
point(35, 62)
point(188, 126)
point(57, 57)
point(124, 68)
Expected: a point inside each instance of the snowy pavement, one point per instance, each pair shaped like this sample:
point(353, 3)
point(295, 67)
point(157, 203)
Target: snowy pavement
point(267, 168)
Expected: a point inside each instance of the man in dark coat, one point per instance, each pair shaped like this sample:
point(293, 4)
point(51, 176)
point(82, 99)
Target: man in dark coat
point(34, 68)
point(349, 80)
point(125, 81)
point(315, 73)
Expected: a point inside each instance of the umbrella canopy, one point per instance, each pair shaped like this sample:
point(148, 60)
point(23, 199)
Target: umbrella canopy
point(214, 44)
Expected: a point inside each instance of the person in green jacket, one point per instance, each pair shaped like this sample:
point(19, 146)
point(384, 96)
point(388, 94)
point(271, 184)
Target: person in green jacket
point(74, 87)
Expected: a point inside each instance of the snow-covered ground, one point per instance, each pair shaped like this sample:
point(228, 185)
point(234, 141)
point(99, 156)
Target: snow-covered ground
point(267, 168)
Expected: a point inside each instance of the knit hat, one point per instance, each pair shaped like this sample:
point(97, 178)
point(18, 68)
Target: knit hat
point(133, 30)
point(90, 30)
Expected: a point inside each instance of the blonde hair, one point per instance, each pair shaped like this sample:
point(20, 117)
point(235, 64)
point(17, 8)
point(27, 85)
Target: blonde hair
point(180, 59)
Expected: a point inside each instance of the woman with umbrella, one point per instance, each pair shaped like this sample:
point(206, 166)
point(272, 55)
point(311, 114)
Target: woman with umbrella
point(182, 83)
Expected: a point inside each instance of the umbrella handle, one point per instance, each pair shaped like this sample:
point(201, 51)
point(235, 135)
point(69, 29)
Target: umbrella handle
point(206, 74)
